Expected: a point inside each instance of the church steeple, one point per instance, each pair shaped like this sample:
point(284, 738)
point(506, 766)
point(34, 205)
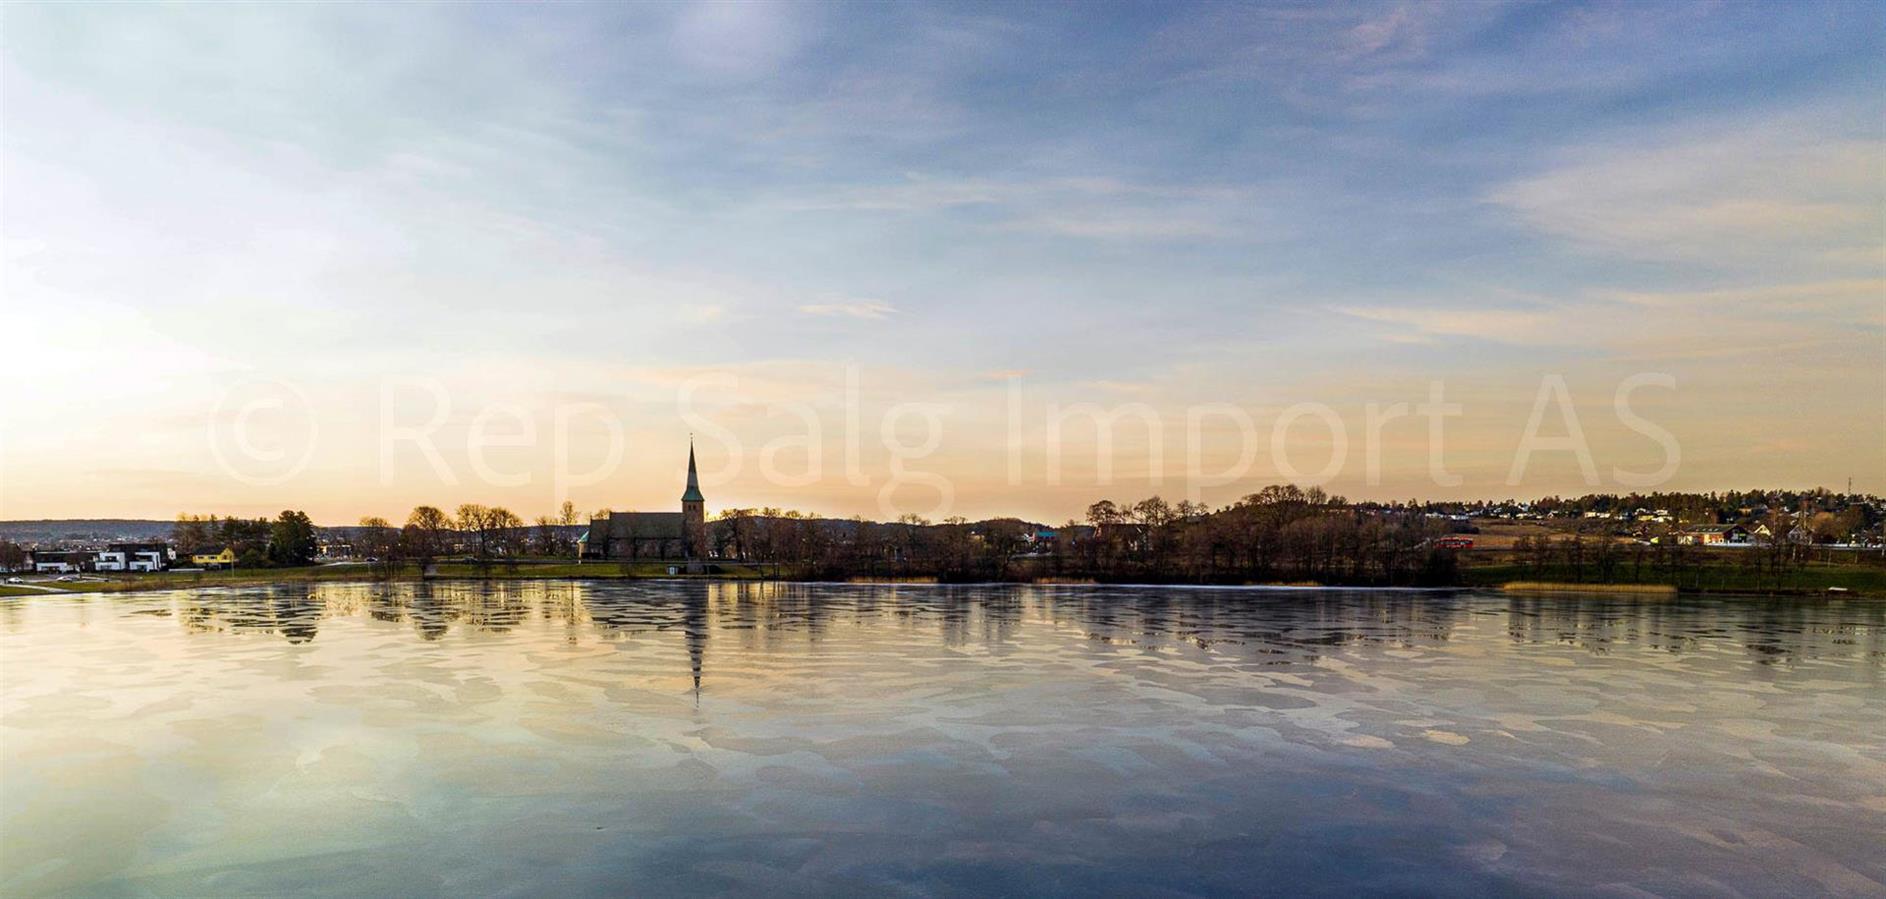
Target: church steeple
point(693, 517)
point(693, 493)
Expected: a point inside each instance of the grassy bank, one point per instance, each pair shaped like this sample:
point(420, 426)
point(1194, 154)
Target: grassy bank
point(35, 590)
point(260, 577)
point(1552, 587)
point(178, 580)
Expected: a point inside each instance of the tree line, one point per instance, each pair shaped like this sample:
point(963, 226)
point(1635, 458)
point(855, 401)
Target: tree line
point(485, 533)
point(1279, 534)
point(287, 540)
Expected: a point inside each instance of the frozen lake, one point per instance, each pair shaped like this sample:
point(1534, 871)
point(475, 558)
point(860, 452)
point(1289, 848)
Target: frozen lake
point(555, 738)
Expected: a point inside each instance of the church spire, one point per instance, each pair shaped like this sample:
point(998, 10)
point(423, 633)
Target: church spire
point(693, 493)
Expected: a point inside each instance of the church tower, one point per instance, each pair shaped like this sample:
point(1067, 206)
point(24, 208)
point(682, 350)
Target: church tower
point(693, 514)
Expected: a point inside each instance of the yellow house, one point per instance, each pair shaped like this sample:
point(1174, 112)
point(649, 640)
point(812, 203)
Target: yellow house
point(224, 559)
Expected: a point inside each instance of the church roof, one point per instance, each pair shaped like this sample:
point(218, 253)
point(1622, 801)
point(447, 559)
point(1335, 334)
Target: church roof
point(645, 525)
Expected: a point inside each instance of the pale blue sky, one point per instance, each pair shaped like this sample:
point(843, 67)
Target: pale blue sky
point(1312, 203)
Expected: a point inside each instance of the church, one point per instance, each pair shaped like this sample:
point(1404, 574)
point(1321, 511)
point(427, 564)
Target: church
point(653, 536)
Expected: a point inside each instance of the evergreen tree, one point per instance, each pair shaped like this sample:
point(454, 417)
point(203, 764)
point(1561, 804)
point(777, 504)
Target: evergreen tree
point(291, 539)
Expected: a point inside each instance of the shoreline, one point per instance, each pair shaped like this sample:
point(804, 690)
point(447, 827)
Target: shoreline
point(459, 572)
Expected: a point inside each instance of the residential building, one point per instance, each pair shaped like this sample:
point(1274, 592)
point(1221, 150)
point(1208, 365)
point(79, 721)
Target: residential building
point(47, 561)
point(224, 559)
point(1713, 535)
point(132, 557)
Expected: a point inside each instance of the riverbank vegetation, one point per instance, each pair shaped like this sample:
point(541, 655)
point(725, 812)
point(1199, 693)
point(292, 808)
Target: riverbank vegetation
point(1709, 577)
point(287, 541)
point(1280, 535)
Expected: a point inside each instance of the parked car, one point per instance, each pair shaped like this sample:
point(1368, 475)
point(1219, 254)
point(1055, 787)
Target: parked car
point(14, 580)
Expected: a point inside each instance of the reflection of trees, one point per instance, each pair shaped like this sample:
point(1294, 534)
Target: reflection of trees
point(432, 609)
point(1247, 627)
point(432, 614)
point(1001, 614)
point(1259, 628)
point(1769, 630)
point(293, 611)
point(492, 606)
point(297, 616)
point(388, 603)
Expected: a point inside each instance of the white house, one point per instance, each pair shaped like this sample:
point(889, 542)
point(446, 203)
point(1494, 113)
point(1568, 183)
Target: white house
point(54, 562)
point(128, 559)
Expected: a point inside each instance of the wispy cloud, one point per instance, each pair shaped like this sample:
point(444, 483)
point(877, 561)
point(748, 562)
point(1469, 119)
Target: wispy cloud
point(1756, 192)
point(1842, 297)
point(1749, 322)
point(1417, 324)
point(1084, 207)
point(1401, 33)
point(918, 192)
point(870, 309)
point(737, 40)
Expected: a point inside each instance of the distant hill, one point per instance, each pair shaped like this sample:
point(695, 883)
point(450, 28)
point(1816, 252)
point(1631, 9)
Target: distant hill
point(46, 532)
point(53, 530)
point(88, 531)
point(105, 530)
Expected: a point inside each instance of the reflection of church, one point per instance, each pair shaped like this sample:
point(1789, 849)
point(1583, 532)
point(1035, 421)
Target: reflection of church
point(653, 536)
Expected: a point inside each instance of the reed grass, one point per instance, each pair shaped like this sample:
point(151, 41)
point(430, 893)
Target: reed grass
point(1561, 587)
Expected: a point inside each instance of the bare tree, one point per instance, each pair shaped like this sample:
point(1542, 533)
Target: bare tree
point(426, 530)
point(12, 557)
point(376, 536)
point(500, 533)
point(379, 542)
point(470, 519)
point(549, 540)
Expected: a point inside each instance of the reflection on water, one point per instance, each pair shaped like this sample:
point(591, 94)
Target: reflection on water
point(558, 737)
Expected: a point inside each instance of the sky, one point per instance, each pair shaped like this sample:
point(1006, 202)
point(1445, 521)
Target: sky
point(942, 260)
